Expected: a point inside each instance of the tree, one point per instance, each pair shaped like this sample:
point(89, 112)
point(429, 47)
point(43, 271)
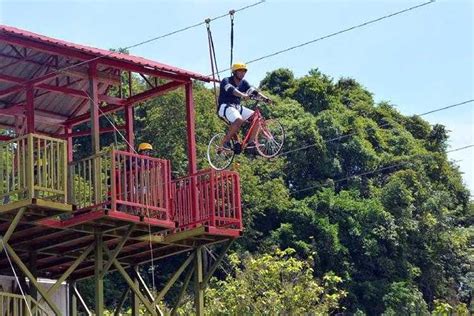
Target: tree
point(273, 283)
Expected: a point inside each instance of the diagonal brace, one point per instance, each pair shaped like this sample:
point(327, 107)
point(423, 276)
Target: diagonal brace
point(146, 289)
point(68, 272)
point(130, 282)
point(183, 290)
point(118, 248)
point(32, 279)
point(175, 277)
point(205, 281)
point(12, 227)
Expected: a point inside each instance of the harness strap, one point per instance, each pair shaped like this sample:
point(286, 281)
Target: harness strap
point(212, 56)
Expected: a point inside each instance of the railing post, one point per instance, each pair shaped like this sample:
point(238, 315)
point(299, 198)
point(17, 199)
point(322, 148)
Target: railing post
point(113, 185)
point(238, 206)
point(212, 208)
point(64, 169)
point(30, 167)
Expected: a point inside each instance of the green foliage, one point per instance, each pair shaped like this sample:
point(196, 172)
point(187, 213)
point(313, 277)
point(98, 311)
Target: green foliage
point(273, 283)
point(403, 298)
point(360, 191)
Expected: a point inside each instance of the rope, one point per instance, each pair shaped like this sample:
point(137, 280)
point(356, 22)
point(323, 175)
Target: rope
point(212, 57)
point(148, 187)
point(16, 278)
point(231, 14)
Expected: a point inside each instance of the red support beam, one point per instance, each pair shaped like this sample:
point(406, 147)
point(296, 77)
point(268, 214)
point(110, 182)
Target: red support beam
point(86, 116)
point(43, 115)
point(94, 107)
point(5, 138)
point(108, 61)
point(130, 136)
point(153, 92)
point(68, 136)
point(58, 89)
point(79, 72)
point(88, 132)
point(190, 124)
point(30, 110)
point(130, 101)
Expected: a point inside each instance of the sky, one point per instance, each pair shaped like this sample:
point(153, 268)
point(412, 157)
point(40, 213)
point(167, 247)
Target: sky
point(418, 61)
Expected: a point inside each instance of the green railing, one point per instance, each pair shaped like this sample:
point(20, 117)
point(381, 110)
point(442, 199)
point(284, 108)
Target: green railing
point(90, 181)
point(33, 166)
point(17, 305)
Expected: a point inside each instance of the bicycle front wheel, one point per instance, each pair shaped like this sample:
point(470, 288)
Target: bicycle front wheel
point(219, 157)
point(270, 138)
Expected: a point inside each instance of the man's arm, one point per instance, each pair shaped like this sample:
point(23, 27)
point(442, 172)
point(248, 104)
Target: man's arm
point(239, 94)
point(257, 94)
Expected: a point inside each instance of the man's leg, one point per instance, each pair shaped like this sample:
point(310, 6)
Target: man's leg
point(233, 129)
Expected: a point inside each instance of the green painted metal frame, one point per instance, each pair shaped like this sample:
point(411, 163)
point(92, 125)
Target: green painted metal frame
point(98, 273)
point(135, 289)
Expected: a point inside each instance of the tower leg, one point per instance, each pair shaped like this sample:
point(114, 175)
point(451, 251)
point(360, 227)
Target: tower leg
point(98, 276)
point(198, 278)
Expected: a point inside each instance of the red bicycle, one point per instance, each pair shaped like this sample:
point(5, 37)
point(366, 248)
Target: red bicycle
point(267, 136)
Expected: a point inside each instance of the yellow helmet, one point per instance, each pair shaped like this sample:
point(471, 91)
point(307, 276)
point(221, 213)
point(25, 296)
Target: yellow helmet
point(239, 66)
point(145, 146)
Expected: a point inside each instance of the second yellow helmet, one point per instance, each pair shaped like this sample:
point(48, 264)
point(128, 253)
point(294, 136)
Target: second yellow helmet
point(145, 146)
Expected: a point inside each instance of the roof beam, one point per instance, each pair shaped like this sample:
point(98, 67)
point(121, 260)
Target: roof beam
point(130, 101)
point(80, 72)
point(51, 48)
point(59, 89)
point(42, 116)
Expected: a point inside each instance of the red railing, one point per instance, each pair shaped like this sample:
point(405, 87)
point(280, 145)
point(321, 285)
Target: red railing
point(141, 184)
point(216, 196)
point(124, 182)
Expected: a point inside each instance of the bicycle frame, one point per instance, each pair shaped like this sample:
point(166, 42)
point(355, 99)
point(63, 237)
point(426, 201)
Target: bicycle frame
point(257, 118)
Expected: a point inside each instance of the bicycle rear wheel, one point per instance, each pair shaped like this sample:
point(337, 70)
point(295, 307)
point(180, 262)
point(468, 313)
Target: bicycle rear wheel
point(270, 138)
point(219, 158)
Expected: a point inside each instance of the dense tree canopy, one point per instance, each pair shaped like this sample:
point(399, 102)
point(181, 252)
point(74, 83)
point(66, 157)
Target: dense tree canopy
point(361, 192)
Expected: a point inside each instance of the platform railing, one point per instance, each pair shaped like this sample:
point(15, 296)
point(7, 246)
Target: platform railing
point(124, 182)
point(33, 166)
point(17, 305)
point(216, 203)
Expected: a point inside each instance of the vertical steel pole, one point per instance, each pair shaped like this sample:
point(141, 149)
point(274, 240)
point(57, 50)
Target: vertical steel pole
point(68, 131)
point(98, 276)
point(32, 263)
point(192, 164)
point(94, 107)
point(190, 124)
point(198, 278)
point(72, 299)
point(135, 299)
point(30, 109)
point(95, 129)
point(130, 136)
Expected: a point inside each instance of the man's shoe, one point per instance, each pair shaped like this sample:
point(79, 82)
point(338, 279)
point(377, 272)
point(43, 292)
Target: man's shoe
point(227, 146)
point(237, 148)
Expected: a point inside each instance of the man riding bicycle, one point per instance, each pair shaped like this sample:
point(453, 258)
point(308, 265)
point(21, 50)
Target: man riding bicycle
point(232, 90)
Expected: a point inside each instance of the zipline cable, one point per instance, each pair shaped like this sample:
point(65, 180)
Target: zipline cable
point(373, 128)
point(61, 70)
point(379, 169)
point(339, 32)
